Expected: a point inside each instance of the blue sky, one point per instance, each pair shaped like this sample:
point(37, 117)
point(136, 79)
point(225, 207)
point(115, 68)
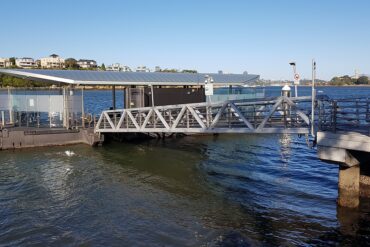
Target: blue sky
point(260, 37)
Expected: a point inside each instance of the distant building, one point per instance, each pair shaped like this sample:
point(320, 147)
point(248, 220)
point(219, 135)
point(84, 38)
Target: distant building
point(142, 69)
point(25, 62)
point(87, 64)
point(5, 62)
point(52, 62)
point(157, 69)
point(118, 67)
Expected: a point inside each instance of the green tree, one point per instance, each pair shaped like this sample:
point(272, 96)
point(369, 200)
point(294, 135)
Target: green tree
point(189, 71)
point(12, 60)
point(71, 63)
point(102, 67)
point(169, 70)
point(363, 80)
point(10, 81)
point(342, 80)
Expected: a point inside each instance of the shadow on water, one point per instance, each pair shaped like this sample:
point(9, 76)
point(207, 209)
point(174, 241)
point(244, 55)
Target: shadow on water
point(226, 190)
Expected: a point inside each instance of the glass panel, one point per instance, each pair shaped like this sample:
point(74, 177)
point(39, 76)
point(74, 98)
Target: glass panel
point(41, 108)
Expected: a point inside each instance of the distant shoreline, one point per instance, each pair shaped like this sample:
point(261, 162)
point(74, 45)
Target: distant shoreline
point(320, 86)
point(123, 87)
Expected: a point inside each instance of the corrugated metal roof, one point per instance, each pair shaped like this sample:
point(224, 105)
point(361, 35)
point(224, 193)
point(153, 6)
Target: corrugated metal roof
point(128, 78)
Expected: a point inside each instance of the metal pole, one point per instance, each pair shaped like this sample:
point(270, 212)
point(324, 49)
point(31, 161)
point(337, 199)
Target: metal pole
point(10, 104)
point(313, 98)
point(152, 92)
point(295, 86)
point(114, 97)
point(82, 108)
point(2, 118)
point(64, 107)
point(124, 98)
point(50, 110)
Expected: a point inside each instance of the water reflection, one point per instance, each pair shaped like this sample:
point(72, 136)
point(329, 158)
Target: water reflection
point(205, 190)
point(285, 150)
point(55, 176)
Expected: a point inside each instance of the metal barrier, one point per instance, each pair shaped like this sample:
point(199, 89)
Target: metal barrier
point(344, 115)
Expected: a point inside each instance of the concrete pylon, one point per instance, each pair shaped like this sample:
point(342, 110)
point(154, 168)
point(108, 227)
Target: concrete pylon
point(349, 186)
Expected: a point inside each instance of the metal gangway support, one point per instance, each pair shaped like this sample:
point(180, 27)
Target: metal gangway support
point(275, 115)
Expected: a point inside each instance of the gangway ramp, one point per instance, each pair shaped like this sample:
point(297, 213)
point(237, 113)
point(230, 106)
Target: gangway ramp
point(277, 115)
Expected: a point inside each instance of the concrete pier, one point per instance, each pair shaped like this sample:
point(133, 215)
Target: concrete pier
point(352, 152)
point(349, 186)
point(33, 137)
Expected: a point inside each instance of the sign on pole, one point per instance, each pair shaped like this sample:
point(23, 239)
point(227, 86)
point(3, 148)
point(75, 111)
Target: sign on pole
point(208, 89)
point(296, 79)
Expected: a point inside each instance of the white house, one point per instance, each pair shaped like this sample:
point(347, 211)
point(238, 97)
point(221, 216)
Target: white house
point(118, 67)
point(142, 69)
point(87, 64)
point(25, 62)
point(52, 62)
point(5, 62)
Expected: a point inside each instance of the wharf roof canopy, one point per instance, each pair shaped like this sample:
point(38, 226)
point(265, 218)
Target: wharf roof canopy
point(86, 77)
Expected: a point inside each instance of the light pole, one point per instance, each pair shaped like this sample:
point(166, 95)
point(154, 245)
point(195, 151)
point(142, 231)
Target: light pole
point(313, 98)
point(296, 78)
point(208, 89)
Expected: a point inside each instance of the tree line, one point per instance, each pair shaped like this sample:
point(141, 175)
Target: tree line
point(11, 81)
point(347, 80)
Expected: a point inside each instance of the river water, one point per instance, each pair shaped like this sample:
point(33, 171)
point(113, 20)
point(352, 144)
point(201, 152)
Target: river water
point(226, 190)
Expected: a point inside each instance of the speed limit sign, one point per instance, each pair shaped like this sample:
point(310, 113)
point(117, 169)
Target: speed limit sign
point(296, 79)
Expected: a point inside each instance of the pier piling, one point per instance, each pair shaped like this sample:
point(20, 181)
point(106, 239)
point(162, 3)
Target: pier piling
point(349, 186)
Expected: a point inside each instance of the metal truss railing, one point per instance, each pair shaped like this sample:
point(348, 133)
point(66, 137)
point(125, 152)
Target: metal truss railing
point(279, 115)
point(344, 115)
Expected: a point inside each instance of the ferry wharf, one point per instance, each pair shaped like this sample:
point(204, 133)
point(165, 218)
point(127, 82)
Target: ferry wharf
point(175, 103)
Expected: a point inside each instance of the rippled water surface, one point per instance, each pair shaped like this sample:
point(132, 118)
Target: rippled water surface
point(226, 190)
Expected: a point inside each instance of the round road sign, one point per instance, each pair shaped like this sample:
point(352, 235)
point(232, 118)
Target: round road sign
point(296, 77)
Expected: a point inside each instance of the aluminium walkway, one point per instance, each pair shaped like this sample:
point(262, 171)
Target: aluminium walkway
point(278, 115)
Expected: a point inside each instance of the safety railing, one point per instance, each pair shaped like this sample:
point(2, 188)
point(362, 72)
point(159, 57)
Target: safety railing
point(344, 115)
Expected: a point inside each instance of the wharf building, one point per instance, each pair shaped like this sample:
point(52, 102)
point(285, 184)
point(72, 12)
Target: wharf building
point(168, 88)
point(31, 118)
